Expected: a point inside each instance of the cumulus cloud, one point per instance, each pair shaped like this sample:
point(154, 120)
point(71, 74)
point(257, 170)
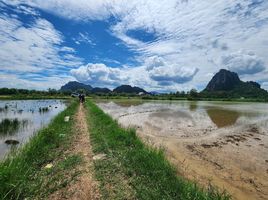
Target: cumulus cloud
point(243, 63)
point(167, 74)
point(99, 74)
point(153, 62)
point(155, 73)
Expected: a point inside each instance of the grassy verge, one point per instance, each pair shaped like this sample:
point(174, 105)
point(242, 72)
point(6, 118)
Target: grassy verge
point(23, 174)
point(132, 170)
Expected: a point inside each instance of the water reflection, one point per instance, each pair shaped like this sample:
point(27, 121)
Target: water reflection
point(168, 113)
point(193, 106)
point(20, 119)
point(128, 103)
point(222, 117)
point(187, 116)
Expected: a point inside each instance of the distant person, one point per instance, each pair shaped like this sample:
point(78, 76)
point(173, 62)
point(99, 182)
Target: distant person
point(81, 98)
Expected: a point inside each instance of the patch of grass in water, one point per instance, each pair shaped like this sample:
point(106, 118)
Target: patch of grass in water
point(4, 109)
point(9, 126)
point(43, 110)
point(132, 169)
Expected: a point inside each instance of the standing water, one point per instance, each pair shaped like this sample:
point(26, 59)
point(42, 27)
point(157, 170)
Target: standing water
point(21, 119)
point(223, 143)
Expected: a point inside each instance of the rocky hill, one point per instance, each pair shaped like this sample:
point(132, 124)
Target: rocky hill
point(73, 86)
point(129, 89)
point(227, 84)
point(224, 80)
point(100, 90)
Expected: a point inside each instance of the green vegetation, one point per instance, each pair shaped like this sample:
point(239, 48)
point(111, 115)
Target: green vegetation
point(23, 174)
point(132, 170)
point(10, 126)
point(242, 92)
point(44, 109)
point(13, 93)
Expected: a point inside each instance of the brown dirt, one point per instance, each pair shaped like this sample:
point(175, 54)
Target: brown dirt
point(226, 162)
point(84, 187)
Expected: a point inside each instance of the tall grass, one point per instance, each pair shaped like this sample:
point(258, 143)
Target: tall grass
point(133, 170)
point(22, 173)
point(9, 126)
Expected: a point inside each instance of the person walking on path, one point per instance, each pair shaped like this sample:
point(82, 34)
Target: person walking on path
point(81, 98)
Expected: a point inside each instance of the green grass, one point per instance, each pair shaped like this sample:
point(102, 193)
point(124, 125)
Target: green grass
point(132, 170)
point(23, 173)
point(10, 126)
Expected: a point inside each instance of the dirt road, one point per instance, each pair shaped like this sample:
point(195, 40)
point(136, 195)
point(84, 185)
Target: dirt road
point(84, 187)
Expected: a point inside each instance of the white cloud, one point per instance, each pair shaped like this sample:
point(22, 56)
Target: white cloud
point(42, 83)
point(72, 9)
point(264, 85)
point(153, 62)
point(168, 74)
point(32, 53)
point(152, 77)
point(34, 48)
point(99, 74)
point(84, 38)
point(243, 63)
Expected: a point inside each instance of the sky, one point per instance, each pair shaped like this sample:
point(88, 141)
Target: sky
point(159, 45)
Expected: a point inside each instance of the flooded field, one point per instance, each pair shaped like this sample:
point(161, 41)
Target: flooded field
point(225, 144)
point(20, 119)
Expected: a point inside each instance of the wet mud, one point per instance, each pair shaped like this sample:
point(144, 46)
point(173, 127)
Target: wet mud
point(221, 144)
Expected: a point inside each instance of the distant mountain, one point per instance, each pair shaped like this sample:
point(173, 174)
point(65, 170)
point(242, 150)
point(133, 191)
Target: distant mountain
point(224, 80)
point(227, 84)
point(74, 86)
point(100, 90)
point(129, 89)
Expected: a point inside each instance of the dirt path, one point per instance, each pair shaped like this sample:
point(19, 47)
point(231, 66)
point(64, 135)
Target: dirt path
point(85, 187)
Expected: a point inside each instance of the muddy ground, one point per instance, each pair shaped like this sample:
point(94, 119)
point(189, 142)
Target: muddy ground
point(226, 148)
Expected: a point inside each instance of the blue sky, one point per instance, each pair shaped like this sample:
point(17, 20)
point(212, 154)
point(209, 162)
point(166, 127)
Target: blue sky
point(159, 45)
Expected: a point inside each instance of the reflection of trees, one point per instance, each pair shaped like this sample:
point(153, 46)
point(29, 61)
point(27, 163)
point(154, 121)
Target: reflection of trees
point(128, 103)
point(192, 106)
point(222, 117)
